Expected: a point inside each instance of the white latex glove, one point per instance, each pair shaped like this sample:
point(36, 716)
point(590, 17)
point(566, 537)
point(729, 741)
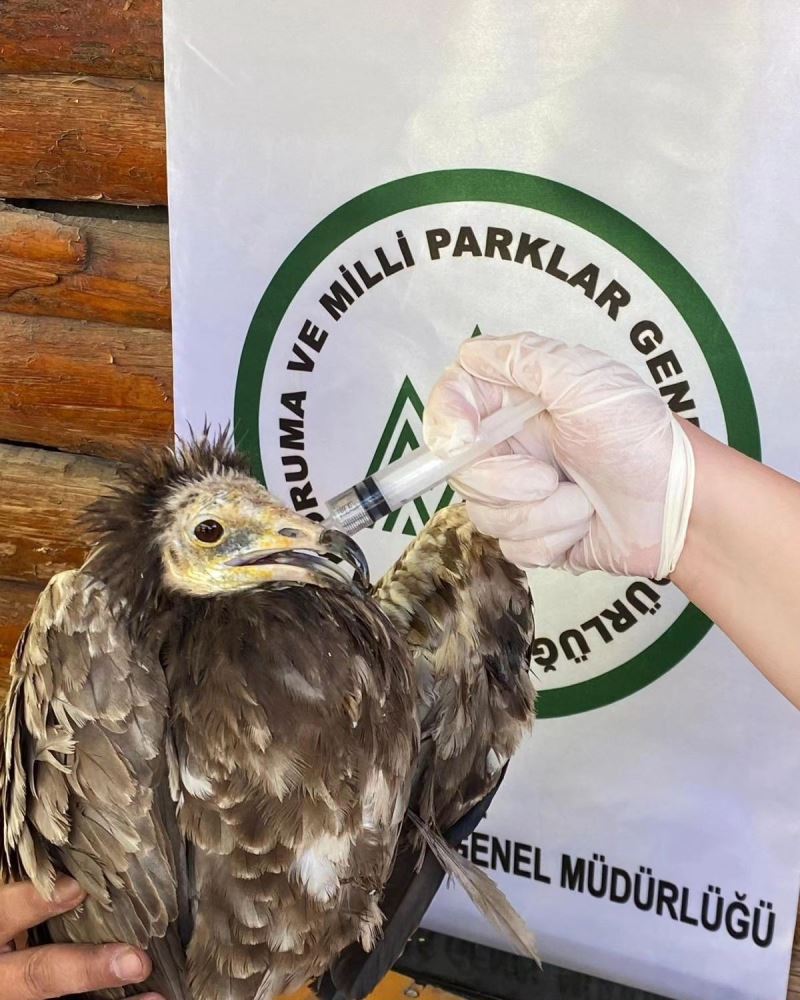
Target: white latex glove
point(602, 480)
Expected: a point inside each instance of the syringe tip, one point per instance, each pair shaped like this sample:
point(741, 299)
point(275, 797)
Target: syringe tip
point(347, 512)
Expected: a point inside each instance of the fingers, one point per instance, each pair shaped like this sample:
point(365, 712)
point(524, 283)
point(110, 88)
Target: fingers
point(494, 372)
point(540, 532)
point(58, 970)
point(61, 969)
point(565, 509)
point(456, 407)
point(21, 906)
point(562, 375)
point(451, 417)
point(551, 550)
point(522, 358)
point(502, 478)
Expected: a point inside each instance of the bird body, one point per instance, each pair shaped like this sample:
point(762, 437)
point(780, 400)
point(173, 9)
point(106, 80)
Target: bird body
point(294, 755)
point(219, 736)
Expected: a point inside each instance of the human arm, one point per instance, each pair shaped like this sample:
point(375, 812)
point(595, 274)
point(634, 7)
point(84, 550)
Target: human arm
point(741, 560)
point(608, 479)
point(58, 970)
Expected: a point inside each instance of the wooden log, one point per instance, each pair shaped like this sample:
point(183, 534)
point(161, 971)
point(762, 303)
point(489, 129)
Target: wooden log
point(43, 497)
point(95, 37)
point(16, 604)
point(82, 138)
point(36, 250)
point(84, 268)
point(93, 388)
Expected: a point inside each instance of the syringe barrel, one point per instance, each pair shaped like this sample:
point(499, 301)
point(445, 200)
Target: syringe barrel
point(409, 477)
point(391, 488)
point(356, 508)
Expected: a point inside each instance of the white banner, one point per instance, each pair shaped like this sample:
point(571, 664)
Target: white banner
point(355, 189)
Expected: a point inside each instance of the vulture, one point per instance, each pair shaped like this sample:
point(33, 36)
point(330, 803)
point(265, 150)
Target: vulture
point(257, 766)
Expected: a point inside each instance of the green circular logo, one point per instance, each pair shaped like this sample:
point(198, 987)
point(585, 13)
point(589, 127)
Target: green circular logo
point(559, 202)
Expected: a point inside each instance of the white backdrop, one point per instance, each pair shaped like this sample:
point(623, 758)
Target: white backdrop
point(633, 166)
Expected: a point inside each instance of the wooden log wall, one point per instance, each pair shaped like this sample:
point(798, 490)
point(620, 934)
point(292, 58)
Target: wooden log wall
point(85, 352)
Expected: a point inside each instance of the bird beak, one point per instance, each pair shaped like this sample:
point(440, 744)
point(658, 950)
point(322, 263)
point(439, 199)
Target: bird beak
point(341, 546)
point(318, 552)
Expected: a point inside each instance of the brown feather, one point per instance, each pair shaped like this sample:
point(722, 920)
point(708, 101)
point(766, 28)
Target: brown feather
point(83, 802)
point(481, 889)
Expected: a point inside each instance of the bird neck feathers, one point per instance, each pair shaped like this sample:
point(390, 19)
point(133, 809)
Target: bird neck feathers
point(127, 523)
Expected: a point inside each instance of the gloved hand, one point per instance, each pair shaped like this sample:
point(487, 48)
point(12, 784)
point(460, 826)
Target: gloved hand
point(603, 479)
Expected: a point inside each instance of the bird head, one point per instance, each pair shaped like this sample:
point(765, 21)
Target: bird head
point(192, 521)
point(225, 532)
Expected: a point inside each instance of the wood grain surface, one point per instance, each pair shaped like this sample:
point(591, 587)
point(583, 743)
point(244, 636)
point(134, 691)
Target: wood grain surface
point(16, 603)
point(106, 270)
point(47, 365)
point(119, 38)
point(43, 496)
point(82, 137)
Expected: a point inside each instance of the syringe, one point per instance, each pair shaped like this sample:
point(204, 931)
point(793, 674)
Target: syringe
point(411, 476)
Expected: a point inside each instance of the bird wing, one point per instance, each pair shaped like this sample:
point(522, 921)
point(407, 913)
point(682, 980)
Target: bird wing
point(83, 774)
point(467, 616)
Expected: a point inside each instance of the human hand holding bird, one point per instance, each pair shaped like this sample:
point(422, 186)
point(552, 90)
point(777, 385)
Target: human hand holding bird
point(58, 970)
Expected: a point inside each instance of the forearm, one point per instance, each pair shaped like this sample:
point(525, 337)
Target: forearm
point(740, 563)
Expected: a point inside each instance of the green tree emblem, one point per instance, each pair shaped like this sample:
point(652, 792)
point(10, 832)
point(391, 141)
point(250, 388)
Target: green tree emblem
point(403, 433)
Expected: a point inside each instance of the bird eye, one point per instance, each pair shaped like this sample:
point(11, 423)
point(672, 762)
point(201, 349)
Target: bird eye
point(289, 532)
point(209, 532)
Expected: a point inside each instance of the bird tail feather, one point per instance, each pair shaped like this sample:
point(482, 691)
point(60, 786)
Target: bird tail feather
point(482, 890)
